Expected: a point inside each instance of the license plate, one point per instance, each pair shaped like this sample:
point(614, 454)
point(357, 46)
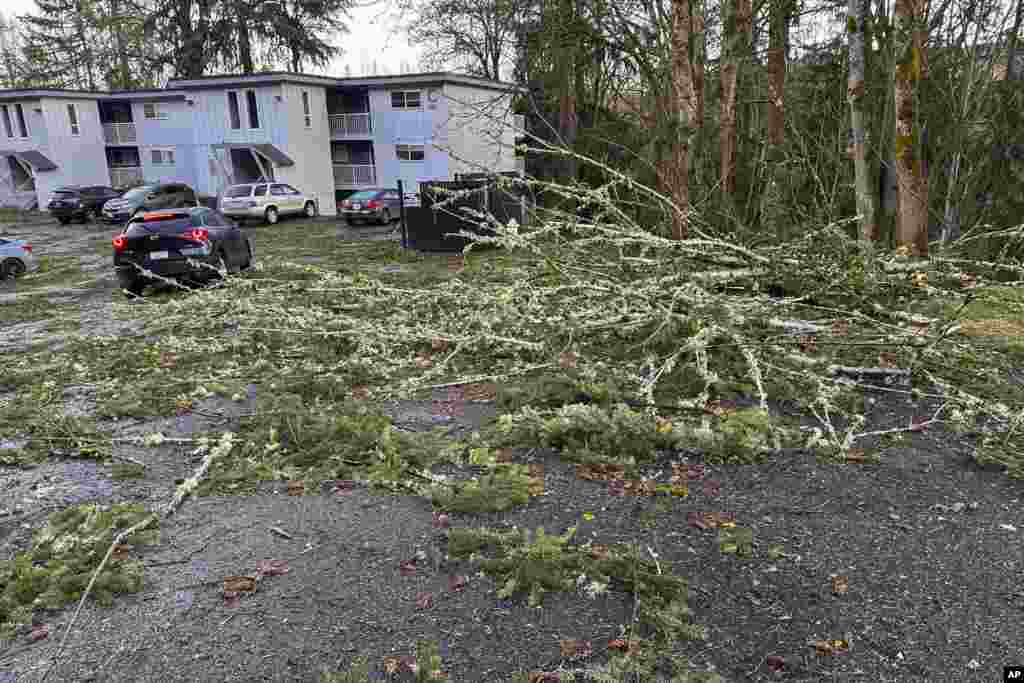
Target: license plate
point(157, 255)
point(357, 206)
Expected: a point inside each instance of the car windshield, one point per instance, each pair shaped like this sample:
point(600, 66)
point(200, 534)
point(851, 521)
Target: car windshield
point(138, 192)
point(238, 191)
point(363, 196)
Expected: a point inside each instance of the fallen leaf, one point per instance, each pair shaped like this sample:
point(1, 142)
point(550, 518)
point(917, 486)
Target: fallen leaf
point(391, 665)
point(600, 472)
point(438, 675)
point(567, 360)
point(438, 344)
point(856, 455)
point(239, 584)
point(272, 567)
point(840, 585)
point(775, 663)
point(456, 263)
point(120, 551)
point(503, 455)
point(231, 599)
point(918, 424)
point(423, 362)
point(407, 568)
point(968, 281)
point(424, 600)
point(409, 663)
point(680, 490)
point(807, 343)
point(588, 516)
point(296, 487)
point(886, 359)
point(663, 425)
point(441, 520)
point(831, 647)
point(481, 391)
point(629, 647)
point(641, 487)
point(575, 649)
point(361, 392)
point(545, 677)
point(712, 488)
point(599, 552)
point(840, 328)
point(696, 520)
point(919, 279)
point(343, 487)
point(456, 582)
point(616, 487)
point(39, 632)
point(535, 481)
point(720, 408)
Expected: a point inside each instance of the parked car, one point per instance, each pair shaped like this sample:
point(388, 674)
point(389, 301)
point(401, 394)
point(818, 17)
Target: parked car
point(149, 198)
point(191, 245)
point(16, 258)
point(381, 205)
point(75, 201)
point(268, 201)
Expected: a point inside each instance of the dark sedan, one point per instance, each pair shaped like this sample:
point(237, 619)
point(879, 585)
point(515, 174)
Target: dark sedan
point(190, 245)
point(378, 205)
point(75, 202)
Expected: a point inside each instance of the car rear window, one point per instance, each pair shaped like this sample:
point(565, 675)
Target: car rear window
point(241, 191)
point(65, 194)
point(261, 191)
point(363, 195)
point(164, 226)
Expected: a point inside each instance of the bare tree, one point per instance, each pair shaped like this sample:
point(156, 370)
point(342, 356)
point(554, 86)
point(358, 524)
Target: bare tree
point(911, 168)
point(735, 47)
point(856, 15)
point(683, 116)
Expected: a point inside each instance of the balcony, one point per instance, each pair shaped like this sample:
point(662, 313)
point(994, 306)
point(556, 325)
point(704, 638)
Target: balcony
point(119, 133)
point(358, 124)
point(354, 175)
point(125, 176)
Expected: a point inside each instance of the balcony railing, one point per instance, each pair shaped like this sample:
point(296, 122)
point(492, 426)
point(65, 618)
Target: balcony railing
point(355, 175)
point(348, 125)
point(125, 176)
point(119, 133)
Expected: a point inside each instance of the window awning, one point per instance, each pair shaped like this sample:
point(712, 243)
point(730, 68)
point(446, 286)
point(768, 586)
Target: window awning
point(271, 152)
point(37, 160)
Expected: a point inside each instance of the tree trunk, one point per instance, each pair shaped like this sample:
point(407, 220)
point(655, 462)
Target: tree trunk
point(567, 121)
point(244, 42)
point(1014, 60)
point(777, 41)
point(911, 168)
point(699, 54)
point(681, 107)
point(735, 45)
point(123, 80)
point(856, 15)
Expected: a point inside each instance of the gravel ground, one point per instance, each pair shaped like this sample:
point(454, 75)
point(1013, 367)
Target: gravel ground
point(930, 544)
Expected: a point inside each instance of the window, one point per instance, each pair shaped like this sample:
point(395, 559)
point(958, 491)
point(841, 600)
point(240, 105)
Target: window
point(278, 190)
point(410, 152)
point(254, 115)
point(73, 120)
point(405, 99)
point(151, 112)
point(7, 121)
point(290, 190)
point(305, 109)
point(260, 191)
point(163, 157)
point(236, 117)
point(22, 127)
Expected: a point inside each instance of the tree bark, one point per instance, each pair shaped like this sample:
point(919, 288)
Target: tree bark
point(1014, 60)
point(856, 15)
point(735, 44)
point(911, 168)
point(681, 107)
point(567, 121)
point(777, 40)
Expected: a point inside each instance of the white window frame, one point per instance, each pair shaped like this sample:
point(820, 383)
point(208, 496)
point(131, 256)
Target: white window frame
point(238, 105)
point(158, 114)
point(409, 150)
point(74, 120)
point(5, 111)
point(167, 156)
point(307, 111)
point(405, 99)
point(248, 110)
point(21, 120)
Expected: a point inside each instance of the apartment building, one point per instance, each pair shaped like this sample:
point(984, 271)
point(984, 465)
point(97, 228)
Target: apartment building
point(327, 136)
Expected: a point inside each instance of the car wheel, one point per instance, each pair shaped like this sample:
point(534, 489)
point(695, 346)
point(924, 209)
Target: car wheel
point(310, 210)
point(134, 289)
point(88, 216)
point(270, 216)
point(385, 218)
point(64, 220)
point(11, 268)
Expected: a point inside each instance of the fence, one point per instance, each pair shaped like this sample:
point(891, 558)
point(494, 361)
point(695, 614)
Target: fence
point(427, 227)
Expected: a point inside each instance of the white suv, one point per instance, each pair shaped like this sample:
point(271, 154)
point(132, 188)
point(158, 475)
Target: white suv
point(268, 201)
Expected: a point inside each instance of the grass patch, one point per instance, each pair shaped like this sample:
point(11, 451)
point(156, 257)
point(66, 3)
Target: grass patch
point(62, 559)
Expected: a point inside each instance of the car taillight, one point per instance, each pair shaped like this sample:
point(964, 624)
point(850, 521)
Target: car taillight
point(27, 247)
point(198, 235)
point(373, 204)
point(119, 243)
point(346, 204)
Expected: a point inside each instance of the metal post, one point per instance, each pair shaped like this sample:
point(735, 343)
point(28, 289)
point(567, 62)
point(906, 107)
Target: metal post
point(401, 214)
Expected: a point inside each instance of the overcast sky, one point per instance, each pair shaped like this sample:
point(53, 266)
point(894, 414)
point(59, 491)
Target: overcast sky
point(374, 34)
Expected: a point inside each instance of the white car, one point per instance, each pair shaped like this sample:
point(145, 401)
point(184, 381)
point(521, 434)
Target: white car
point(15, 258)
point(267, 201)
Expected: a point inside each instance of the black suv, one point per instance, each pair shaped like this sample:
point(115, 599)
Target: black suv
point(74, 201)
point(148, 198)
